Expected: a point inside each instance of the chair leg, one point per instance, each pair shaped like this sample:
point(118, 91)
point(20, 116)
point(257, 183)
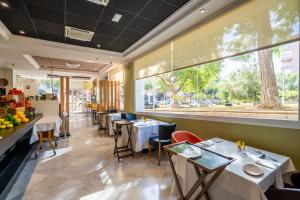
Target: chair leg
point(150, 150)
point(159, 148)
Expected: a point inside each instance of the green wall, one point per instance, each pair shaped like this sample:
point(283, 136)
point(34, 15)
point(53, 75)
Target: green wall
point(278, 140)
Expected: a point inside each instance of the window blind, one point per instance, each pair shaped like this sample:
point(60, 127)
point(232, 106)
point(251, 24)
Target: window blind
point(253, 25)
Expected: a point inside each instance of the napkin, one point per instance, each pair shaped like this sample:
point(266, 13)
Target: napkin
point(205, 143)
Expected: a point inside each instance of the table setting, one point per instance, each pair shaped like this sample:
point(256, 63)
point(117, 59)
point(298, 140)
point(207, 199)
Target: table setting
point(142, 130)
point(249, 176)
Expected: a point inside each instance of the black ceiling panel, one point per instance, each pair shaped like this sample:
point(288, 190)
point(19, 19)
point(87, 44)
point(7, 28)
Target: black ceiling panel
point(133, 7)
point(142, 25)
point(80, 22)
point(84, 8)
point(108, 29)
point(46, 14)
point(131, 35)
point(177, 3)
point(48, 27)
point(157, 10)
point(102, 39)
point(109, 13)
point(52, 4)
point(46, 19)
point(51, 37)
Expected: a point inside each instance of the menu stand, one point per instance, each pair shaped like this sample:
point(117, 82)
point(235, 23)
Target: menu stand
point(208, 163)
point(128, 147)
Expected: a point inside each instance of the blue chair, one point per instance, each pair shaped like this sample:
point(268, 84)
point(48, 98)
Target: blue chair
point(164, 138)
point(131, 116)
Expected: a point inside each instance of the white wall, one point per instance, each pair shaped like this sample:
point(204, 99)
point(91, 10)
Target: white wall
point(10, 76)
point(30, 87)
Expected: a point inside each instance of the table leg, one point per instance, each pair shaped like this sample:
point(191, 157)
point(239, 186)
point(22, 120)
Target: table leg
point(209, 183)
point(175, 177)
point(129, 140)
point(40, 146)
point(196, 185)
point(50, 142)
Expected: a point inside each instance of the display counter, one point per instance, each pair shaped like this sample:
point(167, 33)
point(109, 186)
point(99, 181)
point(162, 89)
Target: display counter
point(15, 150)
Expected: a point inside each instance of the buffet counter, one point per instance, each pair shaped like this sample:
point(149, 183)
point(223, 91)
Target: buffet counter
point(15, 150)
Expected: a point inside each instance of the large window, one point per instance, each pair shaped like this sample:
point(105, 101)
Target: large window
point(263, 84)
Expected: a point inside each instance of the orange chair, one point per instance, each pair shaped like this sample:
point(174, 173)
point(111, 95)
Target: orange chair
point(181, 136)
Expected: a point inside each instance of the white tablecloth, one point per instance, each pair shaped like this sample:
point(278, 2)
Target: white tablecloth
point(234, 183)
point(46, 123)
point(112, 117)
point(141, 132)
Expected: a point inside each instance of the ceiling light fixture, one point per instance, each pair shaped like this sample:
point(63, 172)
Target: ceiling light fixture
point(99, 2)
point(116, 18)
point(3, 4)
point(22, 32)
point(72, 66)
point(202, 11)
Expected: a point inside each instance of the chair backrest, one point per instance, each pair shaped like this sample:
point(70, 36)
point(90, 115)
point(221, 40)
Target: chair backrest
point(181, 136)
point(131, 116)
point(123, 115)
point(165, 131)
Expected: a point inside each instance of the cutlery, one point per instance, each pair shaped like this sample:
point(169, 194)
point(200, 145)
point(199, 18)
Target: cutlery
point(264, 156)
point(263, 165)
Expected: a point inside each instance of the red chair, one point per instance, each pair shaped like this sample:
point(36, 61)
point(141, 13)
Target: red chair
point(181, 136)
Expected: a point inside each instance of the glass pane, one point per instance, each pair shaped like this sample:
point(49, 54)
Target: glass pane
point(262, 84)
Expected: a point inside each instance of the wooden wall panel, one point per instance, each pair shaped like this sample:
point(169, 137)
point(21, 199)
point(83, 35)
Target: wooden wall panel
point(115, 94)
point(109, 92)
point(67, 93)
point(62, 97)
point(119, 95)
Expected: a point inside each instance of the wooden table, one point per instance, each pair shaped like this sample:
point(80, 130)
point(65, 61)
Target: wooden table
point(48, 129)
point(127, 148)
point(208, 163)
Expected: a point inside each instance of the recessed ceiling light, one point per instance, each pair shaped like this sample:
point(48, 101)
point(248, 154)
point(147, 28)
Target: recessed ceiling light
point(110, 57)
point(116, 17)
point(202, 10)
point(72, 66)
point(3, 4)
point(22, 32)
point(98, 45)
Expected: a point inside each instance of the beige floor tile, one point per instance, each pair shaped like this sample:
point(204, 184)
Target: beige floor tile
point(84, 168)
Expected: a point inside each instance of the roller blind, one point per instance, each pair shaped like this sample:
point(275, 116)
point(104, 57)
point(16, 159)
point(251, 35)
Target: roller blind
point(155, 62)
point(253, 25)
point(116, 74)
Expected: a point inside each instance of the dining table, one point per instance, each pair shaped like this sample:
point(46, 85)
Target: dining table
point(110, 118)
point(142, 130)
point(46, 123)
point(235, 183)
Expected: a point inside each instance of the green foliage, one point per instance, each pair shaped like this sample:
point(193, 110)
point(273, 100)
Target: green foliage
point(148, 85)
point(241, 85)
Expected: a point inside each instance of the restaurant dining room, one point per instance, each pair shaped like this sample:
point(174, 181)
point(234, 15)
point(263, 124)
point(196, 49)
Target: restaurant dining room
point(149, 100)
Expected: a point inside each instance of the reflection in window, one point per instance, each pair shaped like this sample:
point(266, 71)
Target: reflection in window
point(261, 84)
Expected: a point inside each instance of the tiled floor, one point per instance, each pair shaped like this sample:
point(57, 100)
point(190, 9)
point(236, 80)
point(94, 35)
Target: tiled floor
point(84, 168)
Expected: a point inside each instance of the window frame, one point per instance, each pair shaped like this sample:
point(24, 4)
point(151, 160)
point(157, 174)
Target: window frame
point(234, 120)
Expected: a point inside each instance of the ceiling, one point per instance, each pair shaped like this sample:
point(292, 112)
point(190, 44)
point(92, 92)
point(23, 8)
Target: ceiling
point(46, 19)
point(69, 65)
